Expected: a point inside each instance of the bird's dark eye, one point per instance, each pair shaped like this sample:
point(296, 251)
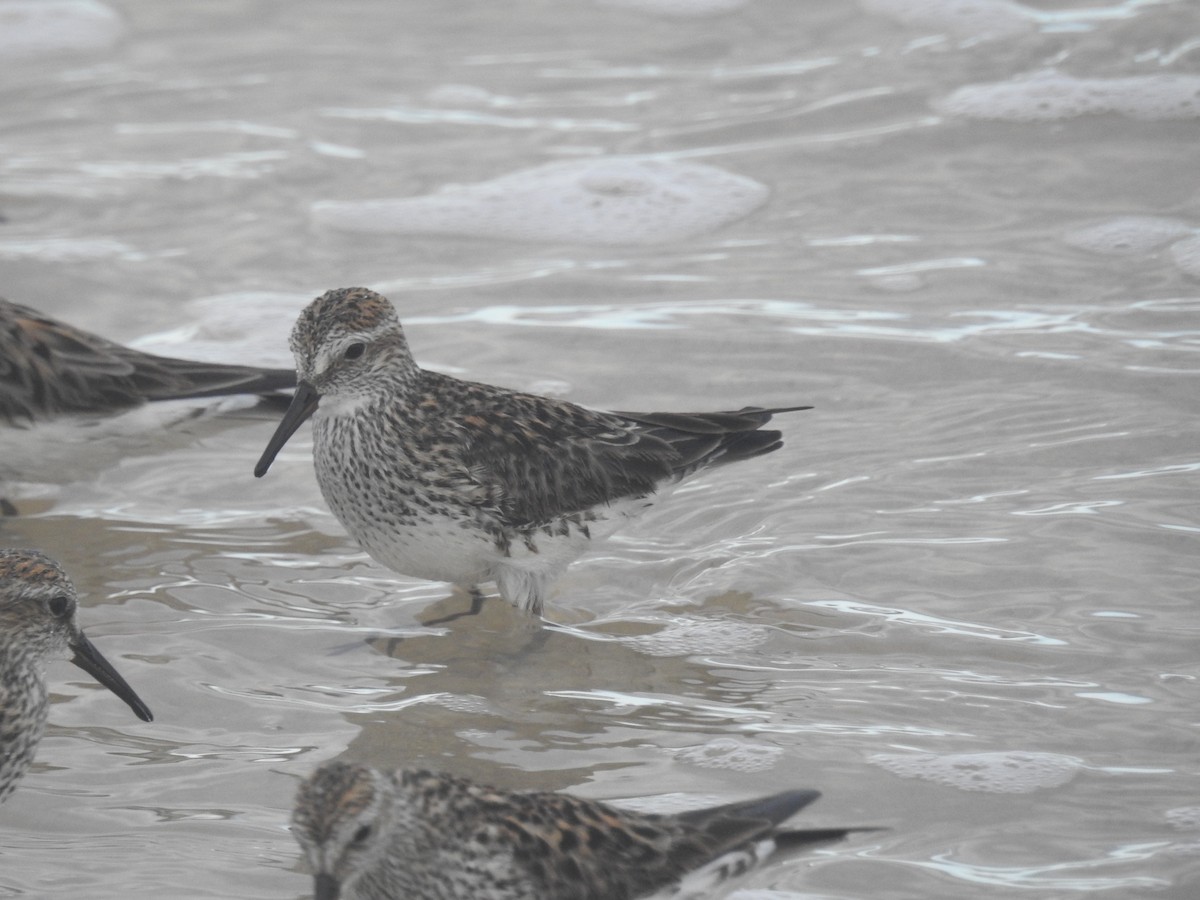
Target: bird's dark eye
point(355, 350)
point(61, 606)
point(362, 835)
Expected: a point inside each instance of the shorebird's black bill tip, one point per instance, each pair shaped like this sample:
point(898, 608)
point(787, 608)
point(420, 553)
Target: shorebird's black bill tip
point(303, 405)
point(88, 658)
point(326, 887)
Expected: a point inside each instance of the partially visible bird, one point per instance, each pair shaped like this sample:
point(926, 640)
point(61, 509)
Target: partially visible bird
point(49, 368)
point(61, 390)
point(458, 481)
point(37, 622)
point(415, 835)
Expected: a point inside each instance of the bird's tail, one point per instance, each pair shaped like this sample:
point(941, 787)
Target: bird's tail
point(714, 438)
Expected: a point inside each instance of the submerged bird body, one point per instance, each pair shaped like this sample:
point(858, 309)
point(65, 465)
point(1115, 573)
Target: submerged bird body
point(49, 368)
point(37, 622)
point(459, 481)
point(371, 835)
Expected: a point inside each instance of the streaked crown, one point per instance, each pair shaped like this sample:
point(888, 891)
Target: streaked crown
point(334, 794)
point(350, 310)
point(37, 602)
point(30, 567)
point(325, 337)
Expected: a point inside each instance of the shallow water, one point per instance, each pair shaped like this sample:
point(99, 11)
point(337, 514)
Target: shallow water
point(959, 601)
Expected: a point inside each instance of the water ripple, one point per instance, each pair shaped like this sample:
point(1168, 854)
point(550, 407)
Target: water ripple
point(414, 115)
point(1065, 876)
point(935, 624)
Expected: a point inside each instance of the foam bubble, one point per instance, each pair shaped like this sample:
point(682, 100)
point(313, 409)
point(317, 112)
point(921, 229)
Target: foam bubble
point(1185, 818)
point(1186, 255)
point(678, 8)
point(34, 27)
point(1012, 772)
point(728, 753)
point(1128, 235)
point(1049, 95)
point(616, 200)
point(973, 19)
point(687, 636)
point(463, 703)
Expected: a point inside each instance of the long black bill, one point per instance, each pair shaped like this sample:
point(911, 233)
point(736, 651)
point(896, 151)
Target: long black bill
point(326, 887)
point(304, 404)
point(88, 658)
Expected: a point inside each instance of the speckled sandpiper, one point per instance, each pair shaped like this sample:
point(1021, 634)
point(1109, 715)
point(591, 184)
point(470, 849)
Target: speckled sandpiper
point(415, 835)
point(457, 481)
point(37, 622)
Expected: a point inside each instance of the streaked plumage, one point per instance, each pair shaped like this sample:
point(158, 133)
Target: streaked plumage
point(415, 835)
point(37, 622)
point(49, 368)
point(458, 481)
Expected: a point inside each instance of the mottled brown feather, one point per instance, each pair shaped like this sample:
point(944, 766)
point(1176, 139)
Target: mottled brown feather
point(49, 368)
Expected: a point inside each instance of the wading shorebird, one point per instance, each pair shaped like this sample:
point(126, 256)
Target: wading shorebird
point(414, 835)
point(58, 382)
point(37, 622)
point(49, 368)
point(457, 481)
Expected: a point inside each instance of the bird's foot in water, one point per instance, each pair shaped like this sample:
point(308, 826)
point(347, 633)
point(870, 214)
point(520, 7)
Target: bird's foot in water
point(476, 607)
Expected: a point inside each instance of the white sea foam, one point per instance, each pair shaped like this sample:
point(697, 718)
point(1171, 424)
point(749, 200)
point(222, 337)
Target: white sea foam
point(1142, 236)
point(33, 27)
point(1012, 772)
point(615, 200)
point(1185, 818)
point(1049, 95)
point(1128, 235)
point(1186, 255)
point(686, 636)
point(730, 753)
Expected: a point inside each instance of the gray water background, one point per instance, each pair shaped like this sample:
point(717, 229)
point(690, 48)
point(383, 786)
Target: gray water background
point(983, 540)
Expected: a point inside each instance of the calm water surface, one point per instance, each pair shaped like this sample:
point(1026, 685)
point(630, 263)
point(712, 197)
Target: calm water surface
point(961, 600)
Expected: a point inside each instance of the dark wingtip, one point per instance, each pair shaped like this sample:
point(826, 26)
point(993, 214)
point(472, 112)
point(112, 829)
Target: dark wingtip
point(198, 380)
point(763, 414)
point(766, 811)
point(790, 838)
point(747, 445)
point(782, 806)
